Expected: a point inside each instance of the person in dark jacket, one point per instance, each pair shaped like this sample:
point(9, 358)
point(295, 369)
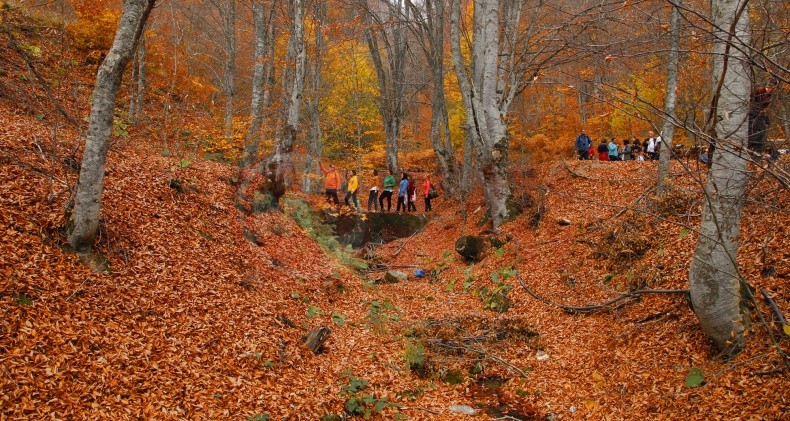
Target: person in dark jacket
point(603, 151)
point(403, 189)
point(582, 145)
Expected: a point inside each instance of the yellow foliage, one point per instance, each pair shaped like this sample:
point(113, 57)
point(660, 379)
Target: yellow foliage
point(95, 27)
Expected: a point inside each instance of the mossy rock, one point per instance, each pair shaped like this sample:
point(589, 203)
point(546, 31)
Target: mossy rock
point(470, 247)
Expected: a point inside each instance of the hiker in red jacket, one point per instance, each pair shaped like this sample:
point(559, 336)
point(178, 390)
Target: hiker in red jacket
point(426, 193)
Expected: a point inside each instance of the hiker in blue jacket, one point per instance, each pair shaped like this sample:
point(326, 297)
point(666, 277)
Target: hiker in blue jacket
point(583, 143)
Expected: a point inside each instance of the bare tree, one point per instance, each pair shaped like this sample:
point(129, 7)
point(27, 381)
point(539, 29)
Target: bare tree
point(430, 23)
point(715, 284)
point(670, 117)
point(262, 69)
point(84, 219)
point(229, 82)
point(315, 138)
point(386, 38)
point(137, 86)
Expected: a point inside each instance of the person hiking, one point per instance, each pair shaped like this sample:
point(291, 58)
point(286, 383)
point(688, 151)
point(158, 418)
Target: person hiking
point(389, 186)
point(759, 102)
point(373, 196)
point(426, 192)
point(412, 195)
point(403, 197)
point(650, 145)
point(614, 155)
point(627, 150)
point(331, 182)
point(603, 151)
point(582, 145)
point(351, 190)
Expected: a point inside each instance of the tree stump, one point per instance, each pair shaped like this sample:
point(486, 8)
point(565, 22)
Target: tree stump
point(470, 247)
point(315, 338)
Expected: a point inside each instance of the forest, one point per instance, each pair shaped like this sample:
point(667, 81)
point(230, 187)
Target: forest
point(191, 230)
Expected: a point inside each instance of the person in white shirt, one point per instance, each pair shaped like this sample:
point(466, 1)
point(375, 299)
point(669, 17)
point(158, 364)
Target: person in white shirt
point(651, 145)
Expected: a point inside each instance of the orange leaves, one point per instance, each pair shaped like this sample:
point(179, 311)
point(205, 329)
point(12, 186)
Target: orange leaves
point(94, 29)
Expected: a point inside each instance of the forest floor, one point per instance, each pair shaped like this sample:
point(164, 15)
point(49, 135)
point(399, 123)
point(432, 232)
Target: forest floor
point(202, 312)
point(196, 321)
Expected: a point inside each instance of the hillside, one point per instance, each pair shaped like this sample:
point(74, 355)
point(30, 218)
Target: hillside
point(202, 312)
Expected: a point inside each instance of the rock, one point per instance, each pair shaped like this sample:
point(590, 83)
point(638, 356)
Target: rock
point(541, 355)
point(470, 247)
point(463, 409)
point(394, 276)
point(564, 221)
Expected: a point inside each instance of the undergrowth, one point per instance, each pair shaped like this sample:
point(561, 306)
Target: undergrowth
point(323, 234)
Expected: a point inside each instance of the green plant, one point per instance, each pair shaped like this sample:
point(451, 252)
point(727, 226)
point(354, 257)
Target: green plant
point(495, 298)
point(362, 404)
point(323, 234)
point(414, 354)
point(338, 319)
point(380, 313)
point(314, 311)
point(259, 417)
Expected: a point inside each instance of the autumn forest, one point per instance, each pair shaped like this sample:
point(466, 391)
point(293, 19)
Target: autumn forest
point(595, 223)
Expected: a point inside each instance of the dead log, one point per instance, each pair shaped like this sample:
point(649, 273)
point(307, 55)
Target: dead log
point(315, 338)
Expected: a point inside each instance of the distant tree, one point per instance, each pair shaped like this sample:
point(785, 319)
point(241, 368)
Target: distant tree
point(84, 218)
point(262, 72)
point(670, 100)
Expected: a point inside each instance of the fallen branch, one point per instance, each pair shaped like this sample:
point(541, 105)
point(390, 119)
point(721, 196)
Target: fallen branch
point(481, 351)
point(407, 241)
point(768, 299)
point(608, 305)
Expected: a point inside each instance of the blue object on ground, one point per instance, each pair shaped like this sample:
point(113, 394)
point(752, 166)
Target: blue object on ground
point(419, 273)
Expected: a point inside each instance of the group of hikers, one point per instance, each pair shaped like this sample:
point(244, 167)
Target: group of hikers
point(631, 149)
point(406, 188)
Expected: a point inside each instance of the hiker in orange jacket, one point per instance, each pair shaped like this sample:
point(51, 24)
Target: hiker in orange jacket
point(331, 183)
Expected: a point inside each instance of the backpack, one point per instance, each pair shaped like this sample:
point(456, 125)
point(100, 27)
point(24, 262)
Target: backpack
point(432, 193)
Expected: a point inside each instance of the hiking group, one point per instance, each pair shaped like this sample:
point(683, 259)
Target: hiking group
point(630, 150)
point(406, 188)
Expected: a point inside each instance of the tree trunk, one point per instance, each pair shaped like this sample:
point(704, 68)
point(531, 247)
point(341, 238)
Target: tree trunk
point(293, 85)
point(87, 203)
point(391, 78)
point(466, 89)
point(141, 78)
point(316, 141)
point(261, 74)
point(668, 131)
point(229, 84)
point(482, 100)
point(715, 285)
point(440, 127)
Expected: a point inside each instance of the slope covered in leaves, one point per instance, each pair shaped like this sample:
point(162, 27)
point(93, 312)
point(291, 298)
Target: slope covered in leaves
point(197, 320)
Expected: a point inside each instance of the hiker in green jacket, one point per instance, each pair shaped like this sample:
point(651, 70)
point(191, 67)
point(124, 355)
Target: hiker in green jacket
point(389, 186)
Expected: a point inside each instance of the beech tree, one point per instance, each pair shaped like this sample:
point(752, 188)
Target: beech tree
point(430, 24)
point(387, 42)
point(488, 87)
point(293, 85)
point(670, 100)
point(715, 286)
point(84, 220)
point(261, 75)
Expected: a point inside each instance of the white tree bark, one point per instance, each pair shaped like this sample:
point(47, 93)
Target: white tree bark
point(670, 117)
point(487, 96)
point(293, 86)
point(85, 216)
point(715, 286)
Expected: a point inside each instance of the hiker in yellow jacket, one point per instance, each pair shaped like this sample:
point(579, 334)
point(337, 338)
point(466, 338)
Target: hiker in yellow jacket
point(353, 188)
point(332, 182)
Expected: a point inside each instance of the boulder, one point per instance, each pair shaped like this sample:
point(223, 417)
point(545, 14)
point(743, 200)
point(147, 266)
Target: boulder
point(470, 247)
point(394, 276)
